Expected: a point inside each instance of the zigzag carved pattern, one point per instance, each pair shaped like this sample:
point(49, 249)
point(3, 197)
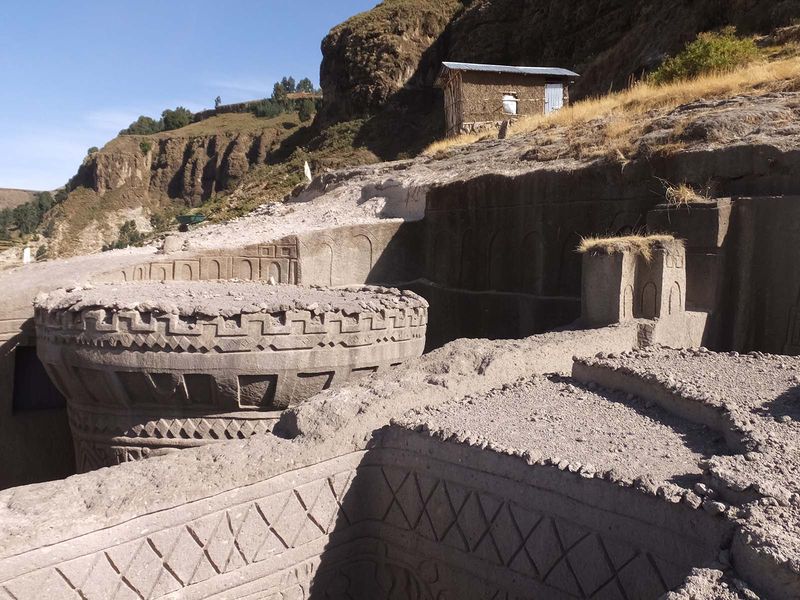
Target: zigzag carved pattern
point(297, 330)
point(195, 428)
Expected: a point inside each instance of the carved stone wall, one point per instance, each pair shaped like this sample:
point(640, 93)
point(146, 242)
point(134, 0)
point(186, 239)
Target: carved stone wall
point(623, 286)
point(380, 253)
point(144, 382)
point(276, 261)
point(388, 523)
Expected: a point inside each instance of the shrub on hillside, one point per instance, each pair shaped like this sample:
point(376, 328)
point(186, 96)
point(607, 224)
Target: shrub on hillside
point(44, 201)
point(92, 150)
point(145, 146)
point(306, 110)
point(27, 217)
point(6, 223)
point(143, 126)
point(175, 119)
point(129, 235)
point(267, 109)
point(711, 52)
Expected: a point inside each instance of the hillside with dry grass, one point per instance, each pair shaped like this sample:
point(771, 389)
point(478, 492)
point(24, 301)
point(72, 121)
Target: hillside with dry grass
point(9, 198)
point(650, 119)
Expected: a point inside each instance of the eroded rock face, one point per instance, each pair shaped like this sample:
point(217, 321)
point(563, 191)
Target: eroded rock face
point(187, 168)
point(149, 367)
point(371, 56)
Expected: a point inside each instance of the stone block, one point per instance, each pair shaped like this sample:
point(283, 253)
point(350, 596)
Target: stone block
point(607, 293)
point(141, 378)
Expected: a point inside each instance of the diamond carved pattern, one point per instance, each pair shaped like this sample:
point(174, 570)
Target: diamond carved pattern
point(222, 542)
point(558, 553)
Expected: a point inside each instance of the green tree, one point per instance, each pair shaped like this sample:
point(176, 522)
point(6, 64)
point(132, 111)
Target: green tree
point(6, 223)
point(267, 109)
point(217, 101)
point(305, 85)
point(26, 217)
point(306, 110)
point(143, 126)
point(175, 119)
point(288, 84)
point(92, 150)
point(44, 201)
point(279, 96)
point(129, 235)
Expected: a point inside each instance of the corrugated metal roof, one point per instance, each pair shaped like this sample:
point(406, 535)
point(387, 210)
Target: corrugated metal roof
point(545, 71)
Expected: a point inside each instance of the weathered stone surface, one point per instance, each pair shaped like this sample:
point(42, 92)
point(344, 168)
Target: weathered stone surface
point(420, 508)
point(153, 366)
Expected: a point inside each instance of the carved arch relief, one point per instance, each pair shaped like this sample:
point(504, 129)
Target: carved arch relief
point(675, 299)
point(531, 267)
point(467, 260)
point(326, 263)
point(627, 302)
point(357, 263)
point(185, 272)
point(275, 272)
point(649, 301)
point(500, 255)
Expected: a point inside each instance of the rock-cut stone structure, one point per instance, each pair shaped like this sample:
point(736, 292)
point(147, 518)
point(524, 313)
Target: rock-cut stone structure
point(149, 367)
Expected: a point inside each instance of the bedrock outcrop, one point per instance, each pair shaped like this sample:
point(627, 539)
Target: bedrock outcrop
point(366, 59)
point(369, 58)
point(177, 167)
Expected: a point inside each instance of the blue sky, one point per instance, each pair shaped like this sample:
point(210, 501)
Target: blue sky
point(72, 74)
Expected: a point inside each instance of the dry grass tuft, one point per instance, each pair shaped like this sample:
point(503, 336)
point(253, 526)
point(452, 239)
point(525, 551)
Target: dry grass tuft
point(640, 245)
point(683, 195)
point(644, 97)
point(452, 143)
point(621, 110)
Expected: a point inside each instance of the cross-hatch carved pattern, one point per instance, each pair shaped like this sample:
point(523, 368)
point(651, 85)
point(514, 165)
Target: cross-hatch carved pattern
point(222, 542)
point(551, 550)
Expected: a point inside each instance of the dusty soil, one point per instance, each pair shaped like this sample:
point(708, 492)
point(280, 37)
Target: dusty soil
point(712, 584)
point(22, 283)
point(759, 395)
point(227, 298)
point(562, 420)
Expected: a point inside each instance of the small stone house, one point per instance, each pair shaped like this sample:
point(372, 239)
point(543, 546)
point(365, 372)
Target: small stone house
point(478, 97)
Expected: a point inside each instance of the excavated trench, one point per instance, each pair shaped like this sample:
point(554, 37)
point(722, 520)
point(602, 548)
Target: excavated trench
point(426, 518)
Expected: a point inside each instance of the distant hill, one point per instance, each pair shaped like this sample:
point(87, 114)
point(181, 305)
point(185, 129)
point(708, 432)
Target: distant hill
point(9, 198)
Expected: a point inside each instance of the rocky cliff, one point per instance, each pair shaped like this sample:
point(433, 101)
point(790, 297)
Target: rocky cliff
point(182, 167)
point(371, 57)
point(135, 177)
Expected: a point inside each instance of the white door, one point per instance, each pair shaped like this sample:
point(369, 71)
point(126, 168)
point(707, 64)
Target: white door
point(553, 97)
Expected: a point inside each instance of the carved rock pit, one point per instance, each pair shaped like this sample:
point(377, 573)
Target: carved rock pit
point(149, 367)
